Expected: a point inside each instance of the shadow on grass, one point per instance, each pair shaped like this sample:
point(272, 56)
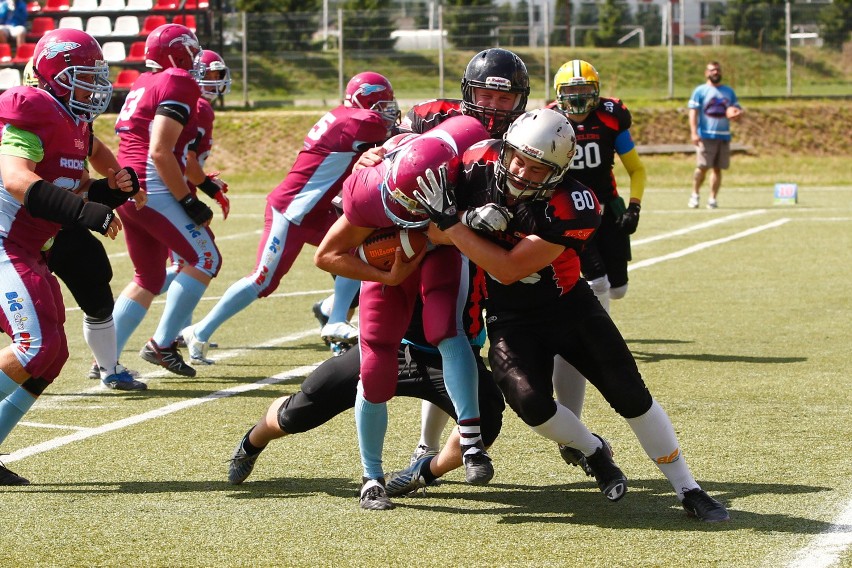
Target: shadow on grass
point(651, 357)
point(649, 504)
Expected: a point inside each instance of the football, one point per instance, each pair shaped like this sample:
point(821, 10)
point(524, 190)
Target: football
point(379, 249)
point(733, 113)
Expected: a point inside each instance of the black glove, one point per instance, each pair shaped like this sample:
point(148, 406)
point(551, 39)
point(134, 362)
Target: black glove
point(95, 217)
point(488, 218)
point(197, 210)
point(630, 220)
point(437, 198)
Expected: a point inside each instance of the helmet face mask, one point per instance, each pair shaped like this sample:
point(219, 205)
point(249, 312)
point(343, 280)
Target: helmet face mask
point(577, 86)
point(219, 84)
point(536, 153)
point(174, 45)
point(495, 70)
point(373, 91)
point(70, 65)
point(405, 164)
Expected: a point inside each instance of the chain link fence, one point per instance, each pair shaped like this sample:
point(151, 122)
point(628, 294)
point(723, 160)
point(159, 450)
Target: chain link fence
point(652, 51)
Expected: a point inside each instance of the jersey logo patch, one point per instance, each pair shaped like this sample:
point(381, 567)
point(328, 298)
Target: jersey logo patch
point(580, 234)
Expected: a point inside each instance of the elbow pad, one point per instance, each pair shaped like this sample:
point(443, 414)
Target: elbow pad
point(47, 201)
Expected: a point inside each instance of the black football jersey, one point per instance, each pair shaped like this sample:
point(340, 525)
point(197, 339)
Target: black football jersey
point(427, 115)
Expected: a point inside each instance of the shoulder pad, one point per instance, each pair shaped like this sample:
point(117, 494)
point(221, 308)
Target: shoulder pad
point(482, 152)
point(27, 107)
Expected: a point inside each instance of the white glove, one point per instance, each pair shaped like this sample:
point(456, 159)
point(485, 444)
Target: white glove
point(489, 218)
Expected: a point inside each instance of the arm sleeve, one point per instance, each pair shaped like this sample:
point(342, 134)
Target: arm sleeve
point(636, 171)
point(22, 144)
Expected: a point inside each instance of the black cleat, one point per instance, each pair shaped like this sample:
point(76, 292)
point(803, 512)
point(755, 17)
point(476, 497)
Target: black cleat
point(478, 469)
point(374, 497)
point(611, 480)
point(168, 358)
point(575, 457)
point(698, 504)
point(241, 464)
point(9, 477)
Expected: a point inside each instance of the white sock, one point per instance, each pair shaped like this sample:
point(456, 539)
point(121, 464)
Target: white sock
point(569, 386)
point(326, 306)
point(433, 420)
point(657, 436)
point(566, 429)
point(100, 337)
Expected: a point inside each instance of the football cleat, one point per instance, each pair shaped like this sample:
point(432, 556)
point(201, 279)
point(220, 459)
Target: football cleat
point(341, 331)
point(9, 477)
point(169, 358)
point(95, 372)
point(407, 481)
point(196, 348)
point(611, 480)
point(699, 504)
point(338, 348)
point(373, 495)
point(123, 380)
point(241, 464)
point(321, 317)
point(421, 451)
point(477, 464)
point(712, 204)
point(575, 457)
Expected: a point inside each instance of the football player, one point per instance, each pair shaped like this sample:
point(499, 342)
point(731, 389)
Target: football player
point(299, 211)
point(45, 141)
point(602, 126)
point(155, 126)
point(539, 307)
point(388, 298)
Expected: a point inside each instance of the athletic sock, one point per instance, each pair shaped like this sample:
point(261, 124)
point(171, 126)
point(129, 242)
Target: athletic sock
point(182, 297)
point(127, 315)
point(371, 421)
point(657, 436)
point(433, 420)
point(345, 290)
point(237, 297)
point(7, 385)
point(566, 429)
point(12, 409)
point(569, 386)
point(250, 448)
point(426, 472)
point(101, 338)
point(460, 376)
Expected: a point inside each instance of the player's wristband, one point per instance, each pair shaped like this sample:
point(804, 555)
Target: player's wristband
point(209, 187)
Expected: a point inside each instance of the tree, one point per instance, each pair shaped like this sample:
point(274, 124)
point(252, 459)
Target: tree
point(756, 23)
point(613, 14)
point(561, 23)
point(648, 16)
point(470, 24)
point(367, 25)
point(287, 25)
point(836, 23)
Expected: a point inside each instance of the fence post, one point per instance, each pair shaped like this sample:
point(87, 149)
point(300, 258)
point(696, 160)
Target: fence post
point(441, 49)
point(789, 40)
point(245, 60)
point(670, 49)
point(340, 53)
point(545, 18)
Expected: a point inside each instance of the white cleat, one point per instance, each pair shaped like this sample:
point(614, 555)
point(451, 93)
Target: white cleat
point(340, 332)
point(197, 349)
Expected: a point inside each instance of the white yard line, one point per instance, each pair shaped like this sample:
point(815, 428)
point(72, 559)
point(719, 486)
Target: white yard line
point(827, 548)
point(704, 245)
point(697, 227)
point(51, 426)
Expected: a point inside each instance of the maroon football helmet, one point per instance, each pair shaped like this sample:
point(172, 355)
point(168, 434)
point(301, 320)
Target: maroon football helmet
point(404, 165)
point(67, 62)
point(173, 45)
point(214, 87)
point(369, 90)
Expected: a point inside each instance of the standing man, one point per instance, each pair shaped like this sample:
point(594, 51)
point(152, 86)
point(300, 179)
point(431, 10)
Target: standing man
point(712, 107)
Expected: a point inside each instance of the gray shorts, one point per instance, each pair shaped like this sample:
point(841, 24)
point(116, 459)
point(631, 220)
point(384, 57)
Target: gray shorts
point(713, 153)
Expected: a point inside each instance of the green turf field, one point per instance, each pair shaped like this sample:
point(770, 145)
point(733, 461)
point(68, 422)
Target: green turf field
point(739, 319)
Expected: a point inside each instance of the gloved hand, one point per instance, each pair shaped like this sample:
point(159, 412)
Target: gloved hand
point(96, 217)
point(490, 218)
point(197, 210)
point(629, 221)
point(223, 202)
point(216, 188)
point(437, 198)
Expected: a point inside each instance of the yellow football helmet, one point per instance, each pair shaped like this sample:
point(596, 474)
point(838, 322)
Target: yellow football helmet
point(29, 78)
point(577, 73)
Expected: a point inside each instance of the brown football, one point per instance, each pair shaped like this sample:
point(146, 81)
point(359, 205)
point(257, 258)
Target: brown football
point(379, 249)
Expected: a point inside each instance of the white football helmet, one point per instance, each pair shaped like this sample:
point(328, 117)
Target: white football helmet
point(544, 135)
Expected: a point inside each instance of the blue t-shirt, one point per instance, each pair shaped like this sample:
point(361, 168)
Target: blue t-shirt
point(13, 13)
point(711, 103)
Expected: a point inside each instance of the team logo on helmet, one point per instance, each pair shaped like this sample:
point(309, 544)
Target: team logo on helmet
point(183, 39)
point(368, 89)
point(530, 151)
point(498, 83)
point(55, 49)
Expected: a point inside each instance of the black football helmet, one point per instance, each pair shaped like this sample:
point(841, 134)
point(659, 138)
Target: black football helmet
point(500, 70)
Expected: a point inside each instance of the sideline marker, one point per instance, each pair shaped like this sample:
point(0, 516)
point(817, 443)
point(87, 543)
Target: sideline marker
point(786, 193)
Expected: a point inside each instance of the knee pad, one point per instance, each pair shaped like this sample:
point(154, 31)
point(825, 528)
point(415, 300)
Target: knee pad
point(618, 293)
point(96, 301)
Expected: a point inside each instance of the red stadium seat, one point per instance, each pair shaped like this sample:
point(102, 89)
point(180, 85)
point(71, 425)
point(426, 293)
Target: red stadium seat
point(57, 6)
point(151, 23)
point(34, 6)
point(136, 53)
point(186, 20)
point(40, 26)
point(5, 53)
point(165, 5)
point(24, 53)
point(125, 79)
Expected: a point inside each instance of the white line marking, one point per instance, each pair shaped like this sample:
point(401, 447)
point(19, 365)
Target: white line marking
point(826, 549)
point(51, 426)
point(697, 227)
point(704, 245)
